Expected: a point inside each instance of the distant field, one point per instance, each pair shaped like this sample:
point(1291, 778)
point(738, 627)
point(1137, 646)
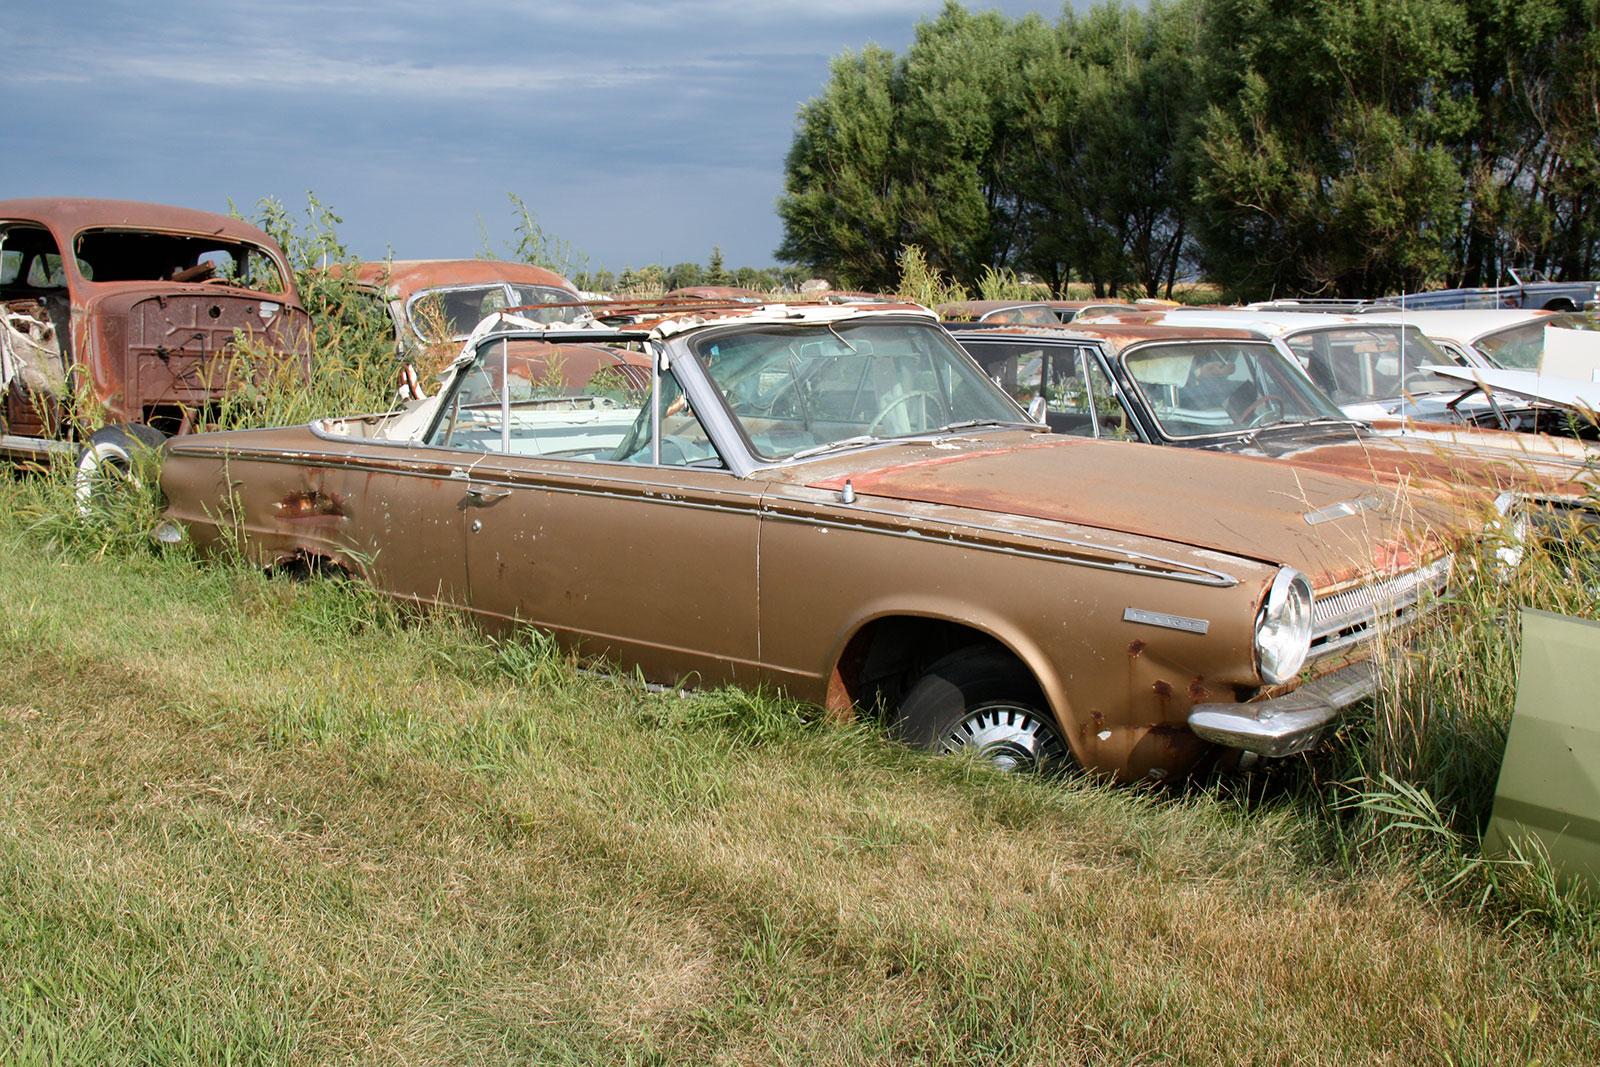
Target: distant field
point(249, 821)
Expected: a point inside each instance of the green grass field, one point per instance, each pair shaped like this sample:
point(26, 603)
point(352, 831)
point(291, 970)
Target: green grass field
point(253, 821)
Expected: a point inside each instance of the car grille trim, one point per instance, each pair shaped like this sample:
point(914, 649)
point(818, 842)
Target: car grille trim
point(1362, 612)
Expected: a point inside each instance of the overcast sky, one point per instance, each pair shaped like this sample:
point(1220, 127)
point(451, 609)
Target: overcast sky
point(639, 132)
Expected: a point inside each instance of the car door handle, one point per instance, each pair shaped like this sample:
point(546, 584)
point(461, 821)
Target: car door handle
point(483, 494)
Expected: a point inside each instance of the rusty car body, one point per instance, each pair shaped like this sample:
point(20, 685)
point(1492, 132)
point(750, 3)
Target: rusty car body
point(724, 293)
point(834, 500)
point(143, 317)
point(1231, 389)
point(435, 303)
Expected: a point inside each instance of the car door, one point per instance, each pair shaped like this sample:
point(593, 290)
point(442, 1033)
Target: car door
point(579, 522)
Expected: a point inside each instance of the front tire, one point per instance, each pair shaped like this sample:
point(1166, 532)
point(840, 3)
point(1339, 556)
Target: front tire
point(981, 702)
point(114, 459)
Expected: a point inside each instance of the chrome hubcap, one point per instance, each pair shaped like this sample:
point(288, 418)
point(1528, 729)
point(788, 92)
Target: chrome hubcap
point(1011, 737)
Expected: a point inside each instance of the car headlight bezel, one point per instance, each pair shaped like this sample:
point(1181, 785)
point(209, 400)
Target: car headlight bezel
point(1284, 627)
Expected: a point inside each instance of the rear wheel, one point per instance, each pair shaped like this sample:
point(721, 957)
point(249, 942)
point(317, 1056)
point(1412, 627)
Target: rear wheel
point(981, 702)
point(115, 459)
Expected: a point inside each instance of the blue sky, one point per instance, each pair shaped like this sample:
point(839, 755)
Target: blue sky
point(638, 132)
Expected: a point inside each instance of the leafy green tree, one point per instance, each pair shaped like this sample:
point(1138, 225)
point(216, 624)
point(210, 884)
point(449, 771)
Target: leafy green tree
point(1102, 178)
point(1323, 162)
point(842, 201)
point(683, 275)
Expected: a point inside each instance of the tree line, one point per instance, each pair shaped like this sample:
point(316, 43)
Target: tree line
point(1274, 147)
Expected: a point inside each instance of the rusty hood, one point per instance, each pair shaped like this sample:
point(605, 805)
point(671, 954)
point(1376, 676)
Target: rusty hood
point(1465, 465)
point(1332, 527)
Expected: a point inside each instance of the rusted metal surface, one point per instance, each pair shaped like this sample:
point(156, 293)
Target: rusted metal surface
point(146, 311)
point(723, 293)
point(400, 279)
point(1268, 499)
point(837, 576)
point(434, 303)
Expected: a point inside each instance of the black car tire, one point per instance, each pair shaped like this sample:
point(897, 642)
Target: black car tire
point(982, 702)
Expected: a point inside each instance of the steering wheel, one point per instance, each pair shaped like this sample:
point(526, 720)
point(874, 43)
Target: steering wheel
point(901, 401)
point(1272, 402)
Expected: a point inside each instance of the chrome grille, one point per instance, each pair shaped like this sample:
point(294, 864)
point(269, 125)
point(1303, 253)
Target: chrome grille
point(1353, 615)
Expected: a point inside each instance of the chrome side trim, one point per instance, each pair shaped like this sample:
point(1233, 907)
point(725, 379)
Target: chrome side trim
point(1162, 568)
point(671, 494)
point(1171, 622)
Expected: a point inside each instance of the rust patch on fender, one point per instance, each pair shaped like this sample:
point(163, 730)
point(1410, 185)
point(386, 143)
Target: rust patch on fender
point(308, 504)
point(1136, 647)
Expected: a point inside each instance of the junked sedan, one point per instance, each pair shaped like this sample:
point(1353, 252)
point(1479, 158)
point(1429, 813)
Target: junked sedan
point(836, 501)
point(1372, 367)
point(436, 303)
point(142, 317)
point(1233, 390)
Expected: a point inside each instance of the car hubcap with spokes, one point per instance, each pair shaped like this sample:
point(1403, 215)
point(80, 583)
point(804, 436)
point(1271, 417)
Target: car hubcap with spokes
point(1010, 736)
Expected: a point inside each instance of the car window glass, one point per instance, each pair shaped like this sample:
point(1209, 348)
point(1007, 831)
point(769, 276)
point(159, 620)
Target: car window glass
point(684, 441)
point(443, 314)
point(1110, 417)
point(1200, 388)
point(1370, 363)
point(1521, 347)
point(524, 295)
point(571, 402)
point(792, 390)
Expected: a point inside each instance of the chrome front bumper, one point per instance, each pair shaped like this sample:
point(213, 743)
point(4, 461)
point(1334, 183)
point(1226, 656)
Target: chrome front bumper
point(1288, 724)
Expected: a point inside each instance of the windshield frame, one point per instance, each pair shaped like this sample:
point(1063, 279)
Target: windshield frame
point(508, 294)
point(1003, 412)
point(1285, 369)
point(1409, 336)
point(1566, 320)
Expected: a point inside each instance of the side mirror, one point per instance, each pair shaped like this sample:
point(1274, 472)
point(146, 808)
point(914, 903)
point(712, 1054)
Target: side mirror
point(1036, 410)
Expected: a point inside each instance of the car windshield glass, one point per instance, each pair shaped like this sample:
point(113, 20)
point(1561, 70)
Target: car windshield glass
point(451, 314)
point(798, 388)
point(1521, 347)
point(540, 294)
point(1026, 314)
point(1359, 364)
point(1196, 388)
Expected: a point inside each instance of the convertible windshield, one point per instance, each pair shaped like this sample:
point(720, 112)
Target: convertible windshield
point(795, 389)
point(1521, 347)
point(1195, 389)
point(1359, 364)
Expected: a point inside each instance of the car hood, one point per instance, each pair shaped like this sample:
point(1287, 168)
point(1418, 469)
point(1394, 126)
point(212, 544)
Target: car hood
point(1467, 465)
point(1333, 527)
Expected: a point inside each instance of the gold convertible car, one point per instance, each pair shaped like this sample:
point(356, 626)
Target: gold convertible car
point(835, 500)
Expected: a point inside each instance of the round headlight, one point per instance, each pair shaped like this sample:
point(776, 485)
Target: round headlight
point(1283, 627)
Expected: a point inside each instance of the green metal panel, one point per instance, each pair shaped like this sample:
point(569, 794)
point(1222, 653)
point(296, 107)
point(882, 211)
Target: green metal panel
point(1549, 787)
